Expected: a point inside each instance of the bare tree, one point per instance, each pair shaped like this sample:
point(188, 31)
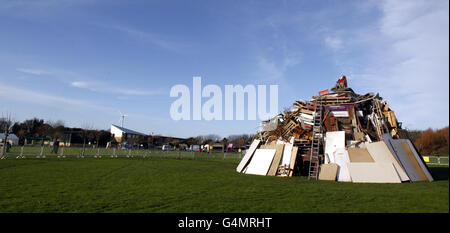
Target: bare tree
point(241, 139)
point(6, 124)
point(85, 131)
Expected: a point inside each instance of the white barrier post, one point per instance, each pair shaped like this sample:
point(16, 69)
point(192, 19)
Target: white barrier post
point(41, 154)
point(61, 155)
point(21, 153)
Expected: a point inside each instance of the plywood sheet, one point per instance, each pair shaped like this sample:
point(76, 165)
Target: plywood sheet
point(381, 154)
point(421, 163)
point(260, 163)
point(408, 160)
point(276, 159)
point(248, 155)
point(359, 155)
point(373, 173)
point(333, 140)
point(293, 159)
point(328, 171)
point(342, 159)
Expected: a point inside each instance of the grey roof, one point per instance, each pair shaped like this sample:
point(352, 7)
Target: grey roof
point(128, 131)
point(10, 136)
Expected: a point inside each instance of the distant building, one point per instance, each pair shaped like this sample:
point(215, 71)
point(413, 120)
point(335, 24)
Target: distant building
point(12, 139)
point(121, 134)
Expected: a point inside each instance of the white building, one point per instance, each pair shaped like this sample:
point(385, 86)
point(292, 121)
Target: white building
point(12, 139)
point(118, 133)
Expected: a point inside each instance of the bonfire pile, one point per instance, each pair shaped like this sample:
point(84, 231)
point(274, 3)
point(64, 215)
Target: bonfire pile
point(357, 115)
point(333, 134)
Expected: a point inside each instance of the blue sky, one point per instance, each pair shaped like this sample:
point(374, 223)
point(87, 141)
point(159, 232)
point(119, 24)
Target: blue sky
point(84, 61)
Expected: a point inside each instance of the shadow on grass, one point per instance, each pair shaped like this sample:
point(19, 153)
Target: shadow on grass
point(439, 173)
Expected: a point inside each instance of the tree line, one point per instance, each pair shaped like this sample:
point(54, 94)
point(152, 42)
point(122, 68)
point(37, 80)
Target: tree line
point(38, 131)
point(431, 141)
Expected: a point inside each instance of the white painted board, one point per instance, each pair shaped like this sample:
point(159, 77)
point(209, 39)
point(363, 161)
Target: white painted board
point(261, 161)
point(306, 116)
point(248, 155)
point(381, 154)
point(340, 113)
point(287, 153)
point(373, 173)
point(333, 140)
point(342, 159)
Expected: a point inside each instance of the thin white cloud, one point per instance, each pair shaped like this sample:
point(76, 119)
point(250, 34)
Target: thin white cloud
point(68, 77)
point(153, 38)
point(32, 71)
point(105, 88)
point(271, 70)
point(333, 42)
point(30, 96)
point(80, 84)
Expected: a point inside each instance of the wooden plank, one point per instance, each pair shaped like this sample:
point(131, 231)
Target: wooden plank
point(276, 160)
point(310, 112)
point(293, 160)
point(248, 155)
point(359, 136)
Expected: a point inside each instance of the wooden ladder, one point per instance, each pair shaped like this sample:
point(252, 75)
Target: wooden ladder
point(316, 141)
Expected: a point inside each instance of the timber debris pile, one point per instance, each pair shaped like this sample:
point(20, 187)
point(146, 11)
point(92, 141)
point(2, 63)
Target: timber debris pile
point(338, 135)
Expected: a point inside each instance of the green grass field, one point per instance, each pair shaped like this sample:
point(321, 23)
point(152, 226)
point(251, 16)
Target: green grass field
point(204, 184)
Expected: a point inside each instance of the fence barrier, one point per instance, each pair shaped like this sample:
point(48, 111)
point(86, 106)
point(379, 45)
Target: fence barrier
point(79, 152)
point(436, 160)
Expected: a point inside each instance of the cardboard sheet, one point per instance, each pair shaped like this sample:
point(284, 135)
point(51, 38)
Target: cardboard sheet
point(359, 155)
point(381, 154)
point(373, 173)
point(342, 159)
point(333, 140)
point(260, 163)
point(276, 159)
point(328, 171)
point(248, 155)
